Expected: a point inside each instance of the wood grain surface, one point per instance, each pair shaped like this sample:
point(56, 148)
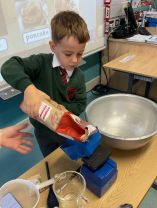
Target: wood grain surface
point(137, 169)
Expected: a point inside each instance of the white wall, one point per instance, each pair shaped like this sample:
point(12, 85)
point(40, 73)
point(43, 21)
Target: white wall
point(117, 8)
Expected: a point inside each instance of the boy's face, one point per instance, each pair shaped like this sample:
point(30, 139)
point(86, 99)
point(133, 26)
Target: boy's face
point(68, 51)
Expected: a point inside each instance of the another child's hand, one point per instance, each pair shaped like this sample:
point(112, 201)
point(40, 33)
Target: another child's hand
point(32, 100)
point(14, 137)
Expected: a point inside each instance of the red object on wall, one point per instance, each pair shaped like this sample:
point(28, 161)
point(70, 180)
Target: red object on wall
point(107, 15)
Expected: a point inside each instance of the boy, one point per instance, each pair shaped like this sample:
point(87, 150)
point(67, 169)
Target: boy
point(48, 76)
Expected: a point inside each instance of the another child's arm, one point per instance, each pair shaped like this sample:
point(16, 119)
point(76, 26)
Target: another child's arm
point(14, 137)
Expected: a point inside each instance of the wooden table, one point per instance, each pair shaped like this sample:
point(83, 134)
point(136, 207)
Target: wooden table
point(119, 80)
point(138, 65)
point(137, 169)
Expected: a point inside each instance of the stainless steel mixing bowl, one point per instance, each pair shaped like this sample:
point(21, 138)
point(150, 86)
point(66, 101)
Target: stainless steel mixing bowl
point(127, 121)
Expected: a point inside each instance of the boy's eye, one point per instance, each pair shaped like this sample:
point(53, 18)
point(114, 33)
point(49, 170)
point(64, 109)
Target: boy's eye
point(80, 54)
point(67, 54)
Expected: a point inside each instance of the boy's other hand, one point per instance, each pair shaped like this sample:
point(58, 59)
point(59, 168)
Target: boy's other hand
point(32, 100)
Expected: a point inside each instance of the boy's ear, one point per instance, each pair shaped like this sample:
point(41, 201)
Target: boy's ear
point(52, 45)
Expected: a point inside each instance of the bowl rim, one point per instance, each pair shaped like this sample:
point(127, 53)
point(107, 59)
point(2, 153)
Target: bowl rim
point(120, 137)
point(126, 138)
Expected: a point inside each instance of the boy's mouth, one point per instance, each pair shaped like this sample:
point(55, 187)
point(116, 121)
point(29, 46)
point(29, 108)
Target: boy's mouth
point(73, 66)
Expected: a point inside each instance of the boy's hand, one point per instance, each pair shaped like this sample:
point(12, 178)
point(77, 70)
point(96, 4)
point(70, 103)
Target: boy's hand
point(32, 100)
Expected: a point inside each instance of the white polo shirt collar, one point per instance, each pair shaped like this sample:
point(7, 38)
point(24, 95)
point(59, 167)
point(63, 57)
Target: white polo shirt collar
point(55, 63)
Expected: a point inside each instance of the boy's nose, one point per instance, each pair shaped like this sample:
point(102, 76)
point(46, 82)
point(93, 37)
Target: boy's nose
point(74, 59)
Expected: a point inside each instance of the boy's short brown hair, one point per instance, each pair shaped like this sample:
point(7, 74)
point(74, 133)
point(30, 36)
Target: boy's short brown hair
point(69, 23)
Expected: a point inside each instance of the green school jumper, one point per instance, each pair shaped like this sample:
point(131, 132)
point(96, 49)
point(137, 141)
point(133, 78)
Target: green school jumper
point(37, 70)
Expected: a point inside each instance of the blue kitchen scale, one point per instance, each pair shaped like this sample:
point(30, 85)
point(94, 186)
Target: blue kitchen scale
point(100, 180)
point(98, 169)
